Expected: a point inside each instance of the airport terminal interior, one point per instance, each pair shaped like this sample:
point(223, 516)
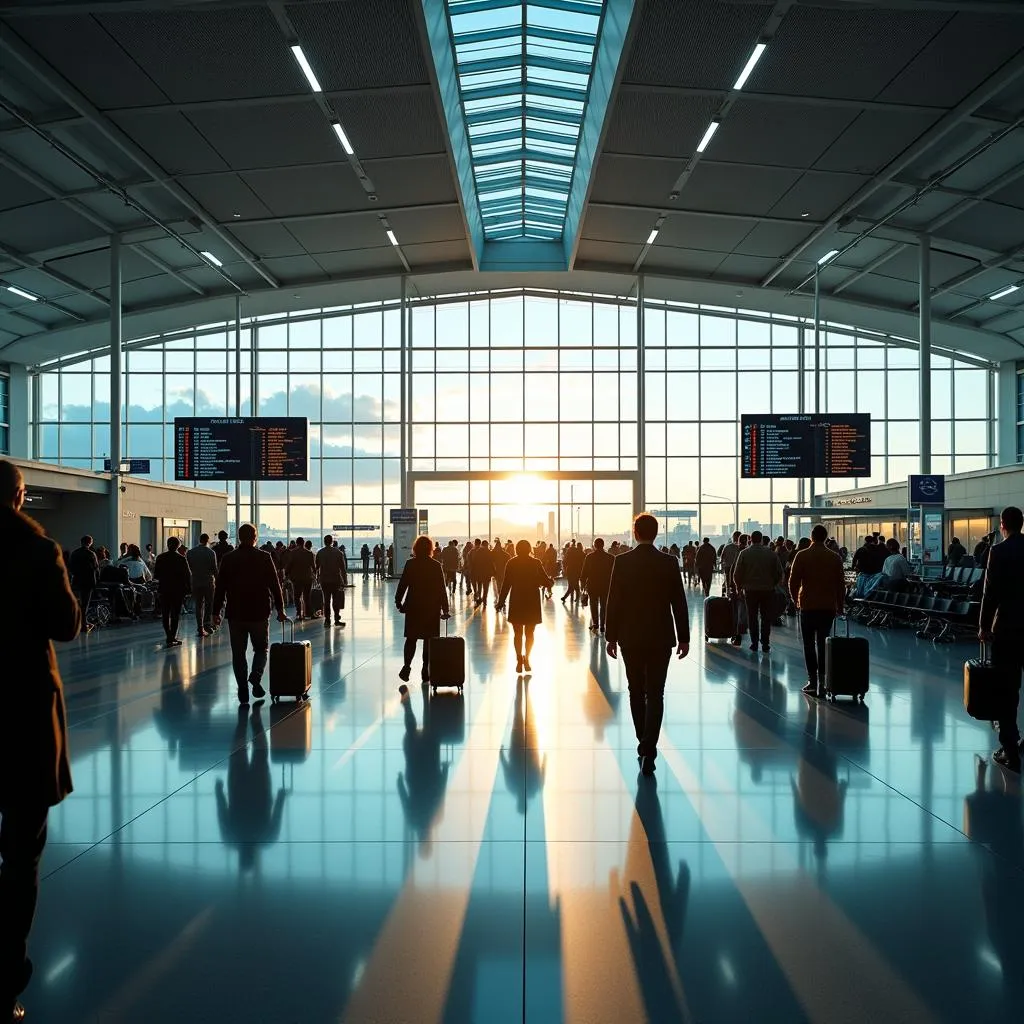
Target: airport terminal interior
point(519, 270)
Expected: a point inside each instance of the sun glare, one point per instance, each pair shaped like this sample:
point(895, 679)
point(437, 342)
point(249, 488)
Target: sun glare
point(524, 498)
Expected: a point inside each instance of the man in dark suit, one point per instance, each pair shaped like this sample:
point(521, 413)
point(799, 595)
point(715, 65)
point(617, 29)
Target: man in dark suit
point(647, 614)
point(1002, 611)
point(174, 579)
point(596, 577)
point(84, 567)
point(34, 770)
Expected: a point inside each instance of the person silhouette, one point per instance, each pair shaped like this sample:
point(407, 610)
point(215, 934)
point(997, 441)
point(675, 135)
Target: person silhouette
point(523, 767)
point(422, 786)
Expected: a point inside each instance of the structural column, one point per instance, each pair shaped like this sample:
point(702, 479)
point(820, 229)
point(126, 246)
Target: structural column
point(641, 394)
point(20, 412)
point(925, 349)
point(116, 411)
point(403, 413)
point(238, 400)
point(817, 362)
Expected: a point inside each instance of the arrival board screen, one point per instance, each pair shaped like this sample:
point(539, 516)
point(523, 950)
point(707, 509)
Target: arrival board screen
point(241, 448)
point(806, 445)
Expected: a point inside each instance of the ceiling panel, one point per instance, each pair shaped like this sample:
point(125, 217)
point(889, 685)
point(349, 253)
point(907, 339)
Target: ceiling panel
point(365, 261)
point(621, 179)
point(267, 239)
point(16, 191)
point(745, 268)
point(337, 234)
point(423, 255)
point(603, 222)
point(712, 234)
point(874, 139)
point(737, 189)
point(172, 141)
point(154, 290)
point(391, 124)
point(817, 195)
point(419, 226)
point(224, 195)
point(619, 253)
point(999, 228)
point(93, 268)
point(658, 123)
point(43, 226)
point(682, 261)
point(773, 239)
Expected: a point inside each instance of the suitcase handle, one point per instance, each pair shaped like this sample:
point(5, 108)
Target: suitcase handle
point(846, 619)
point(288, 622)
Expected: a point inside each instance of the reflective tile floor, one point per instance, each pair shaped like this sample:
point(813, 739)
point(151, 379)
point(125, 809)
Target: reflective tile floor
point(496, 858)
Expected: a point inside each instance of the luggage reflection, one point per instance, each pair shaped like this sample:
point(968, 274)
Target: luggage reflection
point(819, 798)
point(291, 732)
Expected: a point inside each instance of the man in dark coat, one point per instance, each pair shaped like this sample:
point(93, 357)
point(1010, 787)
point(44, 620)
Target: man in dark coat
point(596, 577)
point(647, 615)
point(84, 568)
point(330, 564)
point(301, 569)
point(704, 562)
point(34, 770)
point(174, 579)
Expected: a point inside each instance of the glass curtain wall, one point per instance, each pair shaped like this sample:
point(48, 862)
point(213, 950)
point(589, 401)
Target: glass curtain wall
point(518, 382)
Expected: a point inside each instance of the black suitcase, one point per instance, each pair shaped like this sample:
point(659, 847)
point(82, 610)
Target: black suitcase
point(316, 601)
point(719, 620)
point(447, 661)
point(291, 668)
point(847, 665)
point(985, 689)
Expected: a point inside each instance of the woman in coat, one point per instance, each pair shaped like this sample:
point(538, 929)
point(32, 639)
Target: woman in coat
point(422, 598)
point(524, 578)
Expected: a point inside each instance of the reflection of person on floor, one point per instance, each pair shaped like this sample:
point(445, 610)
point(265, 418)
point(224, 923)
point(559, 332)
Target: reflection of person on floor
point(247, 817)
point(600, 702)
point(524, 769)
point(819, 798)
point(422, 786)
point(992, 819)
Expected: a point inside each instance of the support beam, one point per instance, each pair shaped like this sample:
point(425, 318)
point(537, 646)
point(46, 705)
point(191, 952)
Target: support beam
point(54, 275)
point(116, 412)
point(925, 351)
point(641, 392)
point(238, 402)
point(403, 415)
point(168, 270)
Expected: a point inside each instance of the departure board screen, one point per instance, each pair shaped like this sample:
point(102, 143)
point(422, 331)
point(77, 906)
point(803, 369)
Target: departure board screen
point(241, 448)
point(806, 445)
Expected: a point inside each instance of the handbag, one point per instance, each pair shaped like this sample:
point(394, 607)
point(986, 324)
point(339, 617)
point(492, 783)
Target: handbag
point(584, 599)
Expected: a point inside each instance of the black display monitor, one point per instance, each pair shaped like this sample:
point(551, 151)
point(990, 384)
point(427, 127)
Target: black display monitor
point(805, 445)
point(241, 448)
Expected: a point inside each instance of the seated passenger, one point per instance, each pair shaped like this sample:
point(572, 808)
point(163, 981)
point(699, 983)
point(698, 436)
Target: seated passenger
point(138, 571)
point(896, 568)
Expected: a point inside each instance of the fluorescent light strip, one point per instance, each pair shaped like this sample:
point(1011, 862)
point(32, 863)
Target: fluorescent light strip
point(1008, 290)
point(209, 256)
point(830, 255)
point(343, 138)
point(24, 295)
point(750, 65)
point(392, 239)
point(652, 236)
point(300, 59)
point(708, 136)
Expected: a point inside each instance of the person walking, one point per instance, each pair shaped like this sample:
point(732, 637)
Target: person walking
point(202, 562)
point(572, 564)
point(332, 570)
point(595, 579)
point(301, 567)
point(35, 772)
point(222, 547)
point(704, 563)
point(1002, 611)
point(84, 567)
point(249, 582)
point(450, 565)
point(757, 573)
point(364, 555)
point(174, 579)
point(483, 572)
point(817, 585)
point(647, 616)
point(524, 579)
point(422, 598)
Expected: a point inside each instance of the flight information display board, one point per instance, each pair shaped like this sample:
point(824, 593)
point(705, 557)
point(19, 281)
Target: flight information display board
point(241, 448)
point(806, 445)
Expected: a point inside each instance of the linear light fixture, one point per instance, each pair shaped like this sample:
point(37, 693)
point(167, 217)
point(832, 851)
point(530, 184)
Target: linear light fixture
point(830, 255)
point(392, 239)
point(300, 59)
point(652, 236)
point(1008, 290)
point(210, 258)
point(750, 65)
point(342, 138)
point(708, 136)
point(23, 294)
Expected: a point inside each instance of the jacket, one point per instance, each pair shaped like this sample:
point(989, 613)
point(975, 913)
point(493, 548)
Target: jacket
point(34, 764)
point(1002, 602)
point(757, 568)
point(84, 567)
point(869, 559)
point(221, 548)
point(249, 582)
point(524, 576)
point(646, 601)
point(301, 565)
point(817, 582)
point(330, 564)
point(596, 576)
point(172, 573)
point(705, 558)
point(483, 563)
point(202, 560)
point(422, 597)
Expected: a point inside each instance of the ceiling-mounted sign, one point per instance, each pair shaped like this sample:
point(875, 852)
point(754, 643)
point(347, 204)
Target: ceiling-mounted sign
point(927, 489)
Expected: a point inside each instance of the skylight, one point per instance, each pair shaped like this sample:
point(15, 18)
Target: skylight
point(523, 69)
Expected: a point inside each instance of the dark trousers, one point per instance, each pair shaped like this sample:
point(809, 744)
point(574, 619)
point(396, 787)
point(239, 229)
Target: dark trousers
point(705, 580)
point(573, 583)
point(815, 627)
point(22, 838)
point(646, 672)
point(202, 602)
point(410, 652)
point(1008, 657)
point(333, 595)
point(241, 633)
point(303, 589)
point(482, 588)
point(84, 594)
point(366, 564)
point(759, 615)
point(599, 608)
point(170, 608)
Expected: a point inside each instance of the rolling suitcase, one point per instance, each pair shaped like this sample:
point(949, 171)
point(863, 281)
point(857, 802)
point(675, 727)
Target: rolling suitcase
point(846, 665)
point(984, 689)
point(316, 600)
point(291, 733)
point(291, 668)
point(719, 620)
point(447, 661)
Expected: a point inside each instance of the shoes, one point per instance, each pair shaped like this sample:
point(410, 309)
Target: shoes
point(338, 622)
point(767, 648)
point(811, 689)
point(647, 765)
point(175, 642)
point(404, 673)
point(1010, 762)
point(243, 696)
point(735, 641)
point(257, 691)
point(519, 664)
point(526, 664)
point(753, 647)
point(327, 623)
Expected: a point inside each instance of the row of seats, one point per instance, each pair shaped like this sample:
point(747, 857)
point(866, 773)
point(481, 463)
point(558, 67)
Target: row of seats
point(937, 618)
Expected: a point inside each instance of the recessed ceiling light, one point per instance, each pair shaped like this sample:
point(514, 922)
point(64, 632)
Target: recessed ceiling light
point(343, 138)
point(23, 294)
point(806, 213)
point(236, 215)
point(210, 257)
point(300, 59)
point(708, 136)
point(749, 66)
point(1008, 290)
point(652, 236)
point(391, 237)
point(830, 255)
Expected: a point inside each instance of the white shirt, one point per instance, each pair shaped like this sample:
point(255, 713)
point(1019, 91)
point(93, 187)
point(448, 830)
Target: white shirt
point(137, 569)
point(896, 567)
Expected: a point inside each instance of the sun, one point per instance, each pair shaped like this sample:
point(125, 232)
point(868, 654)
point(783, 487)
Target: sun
point(524, 497)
